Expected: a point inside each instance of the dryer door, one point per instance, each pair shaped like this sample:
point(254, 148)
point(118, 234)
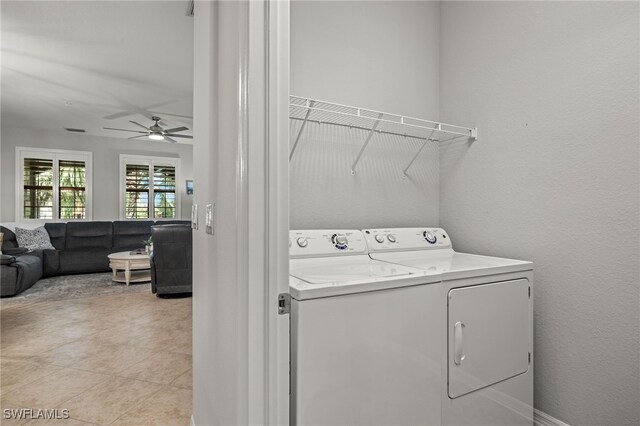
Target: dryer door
point(488, 333)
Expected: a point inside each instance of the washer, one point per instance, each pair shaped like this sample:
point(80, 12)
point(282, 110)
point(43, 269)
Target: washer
point(487, 315)
point(364, 335)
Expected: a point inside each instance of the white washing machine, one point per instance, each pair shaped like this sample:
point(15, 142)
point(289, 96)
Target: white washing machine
point(487, 314)
point(365, 335)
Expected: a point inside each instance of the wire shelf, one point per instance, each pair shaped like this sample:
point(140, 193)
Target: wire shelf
point(322, 112)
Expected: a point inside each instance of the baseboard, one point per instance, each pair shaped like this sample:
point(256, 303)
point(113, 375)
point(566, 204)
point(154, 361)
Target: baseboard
point(540, 418)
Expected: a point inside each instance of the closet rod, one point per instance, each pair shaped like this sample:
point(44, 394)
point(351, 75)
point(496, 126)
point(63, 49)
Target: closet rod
point(359, 113)
point(350, 126)
point(469, 132)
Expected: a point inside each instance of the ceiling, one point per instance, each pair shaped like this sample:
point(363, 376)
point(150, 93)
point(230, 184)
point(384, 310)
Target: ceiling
point(95, 64)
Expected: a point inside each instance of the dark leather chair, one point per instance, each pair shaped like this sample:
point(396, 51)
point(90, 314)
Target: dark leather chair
point(171, 259)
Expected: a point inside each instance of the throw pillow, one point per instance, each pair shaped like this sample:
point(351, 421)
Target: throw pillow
point(34, 239)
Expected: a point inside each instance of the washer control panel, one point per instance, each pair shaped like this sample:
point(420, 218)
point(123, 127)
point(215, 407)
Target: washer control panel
point(401, 239)
point(326, 242)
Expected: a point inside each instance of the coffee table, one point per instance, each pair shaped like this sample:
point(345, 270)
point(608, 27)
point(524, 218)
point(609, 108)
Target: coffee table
point(134, 268)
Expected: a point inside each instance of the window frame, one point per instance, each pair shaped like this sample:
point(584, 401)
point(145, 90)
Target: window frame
point(151, 162)
point(55, 155)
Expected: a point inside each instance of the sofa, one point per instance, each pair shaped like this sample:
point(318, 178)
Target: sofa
point(79, 248)
point(18, 273)
point(171, 259)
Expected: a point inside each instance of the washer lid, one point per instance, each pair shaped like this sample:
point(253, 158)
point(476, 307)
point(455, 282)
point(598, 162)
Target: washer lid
point(329, 276)
point(452, 265)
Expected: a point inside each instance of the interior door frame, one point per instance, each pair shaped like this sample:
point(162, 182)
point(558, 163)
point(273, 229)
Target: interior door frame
point(278, 90)
point(241, 121)
point(268, 358)
point(268, 389)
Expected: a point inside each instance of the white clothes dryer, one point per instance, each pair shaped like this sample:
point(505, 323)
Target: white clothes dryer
point(486, 310)
point(365, 335)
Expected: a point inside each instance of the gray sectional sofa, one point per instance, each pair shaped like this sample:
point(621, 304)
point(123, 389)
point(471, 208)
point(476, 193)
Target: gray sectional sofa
point(80, 248)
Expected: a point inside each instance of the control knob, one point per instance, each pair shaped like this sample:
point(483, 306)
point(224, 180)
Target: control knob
point(391, 238)
point(302, 242)
point(430, 237)
point(380, 239)
point(339, 241)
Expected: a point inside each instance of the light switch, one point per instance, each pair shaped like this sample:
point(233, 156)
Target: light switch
point(194, 216)
point(208, 219)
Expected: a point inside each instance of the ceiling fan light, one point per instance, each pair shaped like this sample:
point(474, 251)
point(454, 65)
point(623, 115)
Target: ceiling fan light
point(156, 136)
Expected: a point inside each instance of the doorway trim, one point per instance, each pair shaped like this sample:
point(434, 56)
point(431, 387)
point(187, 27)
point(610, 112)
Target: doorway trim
point(241, 169)
point(278, 213)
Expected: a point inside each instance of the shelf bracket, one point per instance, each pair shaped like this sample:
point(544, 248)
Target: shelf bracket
point(304, 123)
point(366, 142)
point(404, 172)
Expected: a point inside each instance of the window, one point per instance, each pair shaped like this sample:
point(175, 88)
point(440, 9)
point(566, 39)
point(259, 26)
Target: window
point(137, 191)
point(53, 184)
point(72, 192)
point(148, 187)
point(38, 188)
point(164, 191)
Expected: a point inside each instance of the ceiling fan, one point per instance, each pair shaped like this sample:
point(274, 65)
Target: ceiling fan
point(156, 132)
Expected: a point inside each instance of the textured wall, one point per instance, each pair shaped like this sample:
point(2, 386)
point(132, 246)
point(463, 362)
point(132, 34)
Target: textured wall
point(554, 178)
point(106, 165)
point(378, 55)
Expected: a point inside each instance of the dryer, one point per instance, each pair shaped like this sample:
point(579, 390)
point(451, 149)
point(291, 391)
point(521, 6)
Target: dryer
point(365, 335)
point(486, 313)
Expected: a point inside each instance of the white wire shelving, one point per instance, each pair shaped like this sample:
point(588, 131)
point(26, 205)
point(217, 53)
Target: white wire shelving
point(322, 112)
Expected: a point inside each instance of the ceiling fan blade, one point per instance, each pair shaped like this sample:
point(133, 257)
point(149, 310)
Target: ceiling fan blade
point(176, 129)
point(179, 136)
point(174, 115)
point(138, 124)
point(117, 115)
point(123, 130)
point(168, 139)
point(135, 109)
point(139, 136)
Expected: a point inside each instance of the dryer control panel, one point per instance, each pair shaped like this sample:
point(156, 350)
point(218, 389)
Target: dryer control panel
point(326, 242)
point(402, 239)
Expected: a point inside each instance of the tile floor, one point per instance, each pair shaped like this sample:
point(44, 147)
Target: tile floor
point(110, 360)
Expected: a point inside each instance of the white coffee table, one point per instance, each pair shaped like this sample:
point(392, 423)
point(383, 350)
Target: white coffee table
point(130, 268)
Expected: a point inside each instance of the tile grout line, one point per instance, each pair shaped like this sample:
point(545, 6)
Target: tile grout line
point(40, 378)
point(138, 404)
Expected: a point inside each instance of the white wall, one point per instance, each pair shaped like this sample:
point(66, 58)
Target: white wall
point(106, 165)
point(378, 55)
point(554, 178)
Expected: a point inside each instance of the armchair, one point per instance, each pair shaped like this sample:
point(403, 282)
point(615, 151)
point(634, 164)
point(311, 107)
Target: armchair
point(171, 259)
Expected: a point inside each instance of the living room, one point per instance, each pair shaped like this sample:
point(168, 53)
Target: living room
point(96, 158)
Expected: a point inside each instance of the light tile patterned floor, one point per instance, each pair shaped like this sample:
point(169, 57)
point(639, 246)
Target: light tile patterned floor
point(117, 359)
